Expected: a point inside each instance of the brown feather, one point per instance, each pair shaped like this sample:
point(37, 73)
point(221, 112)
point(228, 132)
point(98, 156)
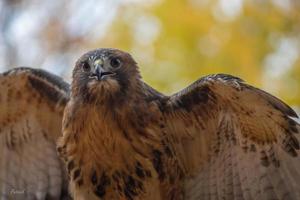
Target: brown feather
point(31, 108)
point(232, 117)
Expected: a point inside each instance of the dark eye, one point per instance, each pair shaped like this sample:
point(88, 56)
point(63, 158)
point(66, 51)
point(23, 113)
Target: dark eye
point(115, 62)
point(86, 67)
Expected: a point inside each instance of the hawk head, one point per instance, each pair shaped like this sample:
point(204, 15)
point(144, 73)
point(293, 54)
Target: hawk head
point(104, 73)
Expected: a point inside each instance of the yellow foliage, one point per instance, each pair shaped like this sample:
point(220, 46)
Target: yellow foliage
point(194, 38)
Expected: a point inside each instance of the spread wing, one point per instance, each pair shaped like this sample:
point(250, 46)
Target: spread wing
point(31, 108)
point(236, 141)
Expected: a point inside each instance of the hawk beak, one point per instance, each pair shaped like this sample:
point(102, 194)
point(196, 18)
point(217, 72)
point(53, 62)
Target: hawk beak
point(100, 73)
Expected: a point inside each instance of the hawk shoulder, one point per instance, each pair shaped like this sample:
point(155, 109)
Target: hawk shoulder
point(31, 104)
point(235, 141)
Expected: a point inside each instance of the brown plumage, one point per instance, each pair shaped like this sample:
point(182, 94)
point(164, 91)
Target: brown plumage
point(31, 108)
point(217, 139)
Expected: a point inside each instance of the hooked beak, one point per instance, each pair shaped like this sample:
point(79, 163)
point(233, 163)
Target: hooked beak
point(100, 73)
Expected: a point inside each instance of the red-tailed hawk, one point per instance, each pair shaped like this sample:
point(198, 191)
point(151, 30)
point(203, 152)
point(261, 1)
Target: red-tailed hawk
point(219, 138)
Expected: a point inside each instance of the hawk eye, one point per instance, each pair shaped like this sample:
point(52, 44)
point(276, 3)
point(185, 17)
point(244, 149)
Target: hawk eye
point(86, 67)
point(115, 62)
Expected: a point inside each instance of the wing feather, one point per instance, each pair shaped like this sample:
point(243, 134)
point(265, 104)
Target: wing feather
point(236, 141)
point(31, 107)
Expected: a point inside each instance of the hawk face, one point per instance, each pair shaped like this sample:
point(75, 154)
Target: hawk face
point(104, 73)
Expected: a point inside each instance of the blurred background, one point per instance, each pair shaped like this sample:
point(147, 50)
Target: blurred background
point(174, 41)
